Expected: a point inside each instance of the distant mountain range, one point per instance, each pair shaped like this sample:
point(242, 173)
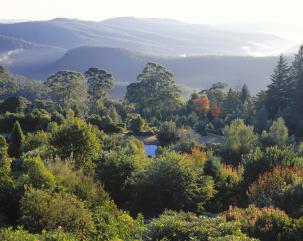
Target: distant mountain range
point(150, 36)
point(192, 72)
point(197, 54)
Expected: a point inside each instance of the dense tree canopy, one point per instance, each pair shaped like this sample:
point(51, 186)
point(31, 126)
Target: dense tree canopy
point(155, 93)
point(81, 170)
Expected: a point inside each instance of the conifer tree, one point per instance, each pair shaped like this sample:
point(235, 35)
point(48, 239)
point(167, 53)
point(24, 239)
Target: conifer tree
point(244, 95)
point(297, 75)
point(15, 145)
point(280, 90)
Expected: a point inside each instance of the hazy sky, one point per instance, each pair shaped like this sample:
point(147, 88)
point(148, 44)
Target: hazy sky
point(282, 17)
point(195, 11)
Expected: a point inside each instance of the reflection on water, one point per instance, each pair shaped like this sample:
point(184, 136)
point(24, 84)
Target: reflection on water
point(151, 150)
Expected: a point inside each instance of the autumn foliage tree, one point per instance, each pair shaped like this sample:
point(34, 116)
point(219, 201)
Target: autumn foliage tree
point(201, 104)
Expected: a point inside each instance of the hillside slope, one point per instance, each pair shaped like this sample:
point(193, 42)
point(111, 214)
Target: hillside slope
point(194, 72)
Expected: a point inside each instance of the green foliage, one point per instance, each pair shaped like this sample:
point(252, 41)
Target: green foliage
point(282, 187)
point(14, 105)
point(270, 226)
point(15, 146)
point(114, 168)
point(99, 82)
point(3, 143)
point(108, 125)
point(155, 94)
point(187, 226)
point(261, 119)
point(277, 135)
point(297, 76)
point(35, 140)
point(168, 133)
point(79, 141)
point(228, 185)
point(258, 162)
point(280, 90)
point(77, 183)
point(114, 224)
point(136, 123)
point(239, 140)
point(212, 166)
point(7, 186)
point(43, 210)
point(264, 223)
point(68, 88)
point(171, 182)
point(231, 103)
point(19, 234)
point(37, 175)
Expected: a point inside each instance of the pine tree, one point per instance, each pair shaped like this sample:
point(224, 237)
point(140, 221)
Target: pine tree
point(280, 91)
point(297, 75)
point(244, 95)
point(260, 119)
point(15, 145)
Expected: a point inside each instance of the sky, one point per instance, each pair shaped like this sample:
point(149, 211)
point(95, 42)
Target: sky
point(194, 11)
point(276, 15)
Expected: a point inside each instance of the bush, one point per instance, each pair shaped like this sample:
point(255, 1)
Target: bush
point(19, 234)
point(116, 167)
point(108, 125)
point(277, 135)
point(270, 226)
point(36, 140)
point(114, 224)
point(228, 187)
point(136, 124)
point(37, 175)
point(187, 226)
point(258, 162)
point(14, 105)
point(44, 210)
point(171, 182)
point(266, 223)
point(76, 182)
point(79, 141)
point(276, 188)
point(168, 133)
point(239, 140)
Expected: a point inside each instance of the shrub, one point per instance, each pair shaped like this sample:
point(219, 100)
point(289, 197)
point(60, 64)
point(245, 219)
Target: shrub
point(44, 210)
point(37, 175)
point(115, 167)
point(258, 162)
point(187, 226)
point(228, 187)
point(136, 123)
point(76, 182)
point(239, 140)
point(171, 182)
point(168, 133)
point(36, 140)
point(114, 224)
point(19, 234)
point(247, 217)
point(274, 187)
point(79, 141)
point(277, 135)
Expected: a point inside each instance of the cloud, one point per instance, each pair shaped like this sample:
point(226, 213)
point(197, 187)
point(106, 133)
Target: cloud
point(5, 58)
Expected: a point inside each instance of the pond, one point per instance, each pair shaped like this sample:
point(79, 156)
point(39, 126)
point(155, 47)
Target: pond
point(150, 150)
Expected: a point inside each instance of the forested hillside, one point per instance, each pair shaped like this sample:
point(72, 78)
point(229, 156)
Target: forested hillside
point(193, 72)
point(75, 165)
point(151, 36)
